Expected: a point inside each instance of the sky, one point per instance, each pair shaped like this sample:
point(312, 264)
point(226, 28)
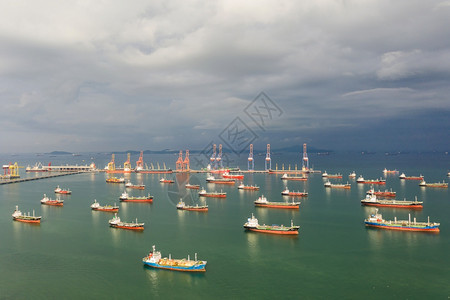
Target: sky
point(114, 75)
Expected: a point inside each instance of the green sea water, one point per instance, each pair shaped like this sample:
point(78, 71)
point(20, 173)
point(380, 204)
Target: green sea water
point(75, 254)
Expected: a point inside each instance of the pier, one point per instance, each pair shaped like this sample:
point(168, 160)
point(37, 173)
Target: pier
point(9, 181)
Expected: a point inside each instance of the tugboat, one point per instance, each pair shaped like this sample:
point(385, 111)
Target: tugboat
point(386, 193)
point(115, 180)
point(370, 181)
point(262, 202)
point(253, 225)
point(59, 190)
point(248, 187)
point(337, 186)
point(403, 176)
point(108, 208)
point(127, 198)
point(372, 200)
point(211, 179)
point(181, 205)
point(436, 184)
point(286, 192)
point(129, 185)
point(154, 260)
point(47, 201)
point(18, 216)
point(192, 186)
point(116, 223)
point(376, 220)
point(294, 178)
point(164, 180)
point(204, 193)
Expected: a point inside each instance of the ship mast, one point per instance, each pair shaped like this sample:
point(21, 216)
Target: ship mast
point(250, 159)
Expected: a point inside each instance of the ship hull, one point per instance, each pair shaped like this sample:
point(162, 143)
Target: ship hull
point(213, 196)
point(221, 182)
point(295, 179)
point(137, 228)
point(402, 228)
point(107, 209)
point(201, 209)
point(53, 203)
point(193, 187)
point(196, 268)
point(31, 221)
point(275, 205)
point(279, 232)
point(138, 200)
point(136, 187)
point(295, 194)
point(413, 206)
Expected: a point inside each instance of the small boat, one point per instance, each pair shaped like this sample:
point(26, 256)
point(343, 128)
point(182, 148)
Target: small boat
point(294, 178)
point(436, 184)
point(253, 225)
point(164, 180)
point(370, 181)
point(192, 186)
point(326, 175)
point(129, 185)
point(211, 179)
point(154, 260)
point(59, 190)
point(338, 186)
point(352, 175)
point(248, 187)
point(262, 202)
point(386, 171)
point(385, 193)
point(47, 201)
point(116, 223)
point(287, 192)
point(233, 176)
point(18, 216)
point(125, 197)
point(403, 176)
point(181, 205)
point(115, 180)
point(372, 200)
point(376, 220)
point(108, 208)
point(204, 193)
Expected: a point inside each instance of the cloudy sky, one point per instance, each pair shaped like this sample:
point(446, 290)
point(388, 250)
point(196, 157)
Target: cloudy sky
point(118, 75)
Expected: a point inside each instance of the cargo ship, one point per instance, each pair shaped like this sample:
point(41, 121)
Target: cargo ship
point(153, 170)
point(370, 181)
point(248, 187)
point(204, 193)
point(231, 176)
point(154, 260)
point(380, 193)
point(372, 200)
point(253, 225)
point(59, 190)
point(18, 216)
point(108, 208)
point(47, 201)
point(129, 185)
point(386, 171)
point(436, 184)
point(262, 202)
point(326, 175)
point(352, 175)
point(115, 180)
point(337, 185)
point(211, 179)
point(164, 180)
point(38, 167)
point(182, 206)
point(294, 178)
point(116, 223)
point(192, 186)
point(125, 197)
point(403, 176)
point(287, 192)
point(376, 220)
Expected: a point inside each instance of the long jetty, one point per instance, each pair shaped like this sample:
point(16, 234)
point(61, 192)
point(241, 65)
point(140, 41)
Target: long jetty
point(9, 181)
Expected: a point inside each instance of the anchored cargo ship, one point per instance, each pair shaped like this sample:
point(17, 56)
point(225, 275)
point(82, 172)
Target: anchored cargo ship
point(352, 175)
point(181, 205)
point(287, 192)
point(115, 180)
point(59, 190)
point(116, 223)
point(370, 181)
point(294, 178)
point(385, 193)
point(386, 171)
point(108, 208)
point(233, 176)
point(125, 197)
point(47, 201)
point(262, 202)
point(248, 187)
point(129, 185)
point(376, 220)
point(326, 175)
point(192, 186)
point(372, 200)
point(211, 179)
point(38, 167)
point(403, 176)
point(154, 260)
point(18, 216)
point(204, 193)
point(338, 185)
point(164, 180)
point(253, 225)
point(436, 184)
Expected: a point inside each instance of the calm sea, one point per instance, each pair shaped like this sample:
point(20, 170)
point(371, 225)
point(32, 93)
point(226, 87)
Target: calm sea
point(75, 254)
